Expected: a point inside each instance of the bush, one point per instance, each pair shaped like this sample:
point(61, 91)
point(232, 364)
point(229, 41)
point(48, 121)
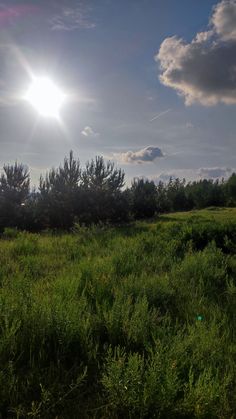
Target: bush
point(10, 233)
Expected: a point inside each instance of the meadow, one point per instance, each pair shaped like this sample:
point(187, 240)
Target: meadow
point(132, 321)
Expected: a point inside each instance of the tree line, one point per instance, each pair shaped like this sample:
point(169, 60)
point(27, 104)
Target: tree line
point(96, 193)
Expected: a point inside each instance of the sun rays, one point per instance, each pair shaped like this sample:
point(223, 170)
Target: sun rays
point(45, 97)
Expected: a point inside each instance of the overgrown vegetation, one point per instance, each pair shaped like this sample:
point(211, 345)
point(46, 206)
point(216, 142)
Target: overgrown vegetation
point(96, 194)
point(133, 321)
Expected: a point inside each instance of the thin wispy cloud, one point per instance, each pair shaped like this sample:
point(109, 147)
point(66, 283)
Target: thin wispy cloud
point(204, 70)
point(160, 114)
point(71, 17)
point(215, 172)
point(210, 173)
point(63, 15)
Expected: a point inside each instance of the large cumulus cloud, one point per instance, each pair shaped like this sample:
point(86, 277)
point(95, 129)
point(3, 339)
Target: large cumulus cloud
point(204, 70)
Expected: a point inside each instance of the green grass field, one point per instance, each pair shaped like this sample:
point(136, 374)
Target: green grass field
point(129, 322)
point(209, 214)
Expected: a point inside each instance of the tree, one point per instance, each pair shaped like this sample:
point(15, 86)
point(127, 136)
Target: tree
point(101, 196)
point(176, 195)
point(99, 176)
point(144, 198)
point(231, 189)
point(205, 193)
point(163, 203)
point(59, 193)
point(14, 191)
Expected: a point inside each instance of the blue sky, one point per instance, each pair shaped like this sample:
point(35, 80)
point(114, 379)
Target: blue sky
point(102, 54)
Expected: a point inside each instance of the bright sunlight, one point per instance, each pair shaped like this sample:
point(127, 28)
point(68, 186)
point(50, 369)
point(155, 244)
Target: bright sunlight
point(45, 97)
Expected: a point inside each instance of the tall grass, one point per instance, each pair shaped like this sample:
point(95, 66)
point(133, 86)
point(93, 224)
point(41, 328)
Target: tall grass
point(129, 322)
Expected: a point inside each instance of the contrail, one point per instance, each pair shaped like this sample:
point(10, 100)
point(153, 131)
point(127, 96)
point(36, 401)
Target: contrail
point(160, 114)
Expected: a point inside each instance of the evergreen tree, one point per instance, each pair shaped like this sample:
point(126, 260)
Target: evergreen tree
point(59, 194)
point(231, 190)
point(14, 191)
point(144, 198)
point(102, 198)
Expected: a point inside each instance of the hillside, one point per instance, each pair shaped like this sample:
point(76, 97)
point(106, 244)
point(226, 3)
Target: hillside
point(125, 322)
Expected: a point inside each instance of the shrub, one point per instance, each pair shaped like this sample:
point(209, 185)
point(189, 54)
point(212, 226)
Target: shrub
point(10, 233)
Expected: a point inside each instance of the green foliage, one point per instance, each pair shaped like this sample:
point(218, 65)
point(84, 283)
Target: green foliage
point(10, 233)
point(124, 322)
point(58, 194)
point(144, 198)
point(231, 189)
point(14, 191)
point(101, 199)
point(95, 194)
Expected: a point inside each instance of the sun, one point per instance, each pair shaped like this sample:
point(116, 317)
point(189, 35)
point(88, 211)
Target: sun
point(45, 97)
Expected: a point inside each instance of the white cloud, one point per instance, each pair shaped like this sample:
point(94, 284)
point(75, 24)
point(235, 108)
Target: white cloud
point(224, 20)
point(67, 15)
point(69, 18)
point(145, 155)
point(213, 173)
point(89, 132)
point(204, 70)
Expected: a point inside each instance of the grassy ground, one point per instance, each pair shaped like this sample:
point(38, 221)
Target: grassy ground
point(126, 322)
point(209, 214)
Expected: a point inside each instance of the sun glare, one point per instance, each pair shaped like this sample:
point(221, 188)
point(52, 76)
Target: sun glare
point(45, 97)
